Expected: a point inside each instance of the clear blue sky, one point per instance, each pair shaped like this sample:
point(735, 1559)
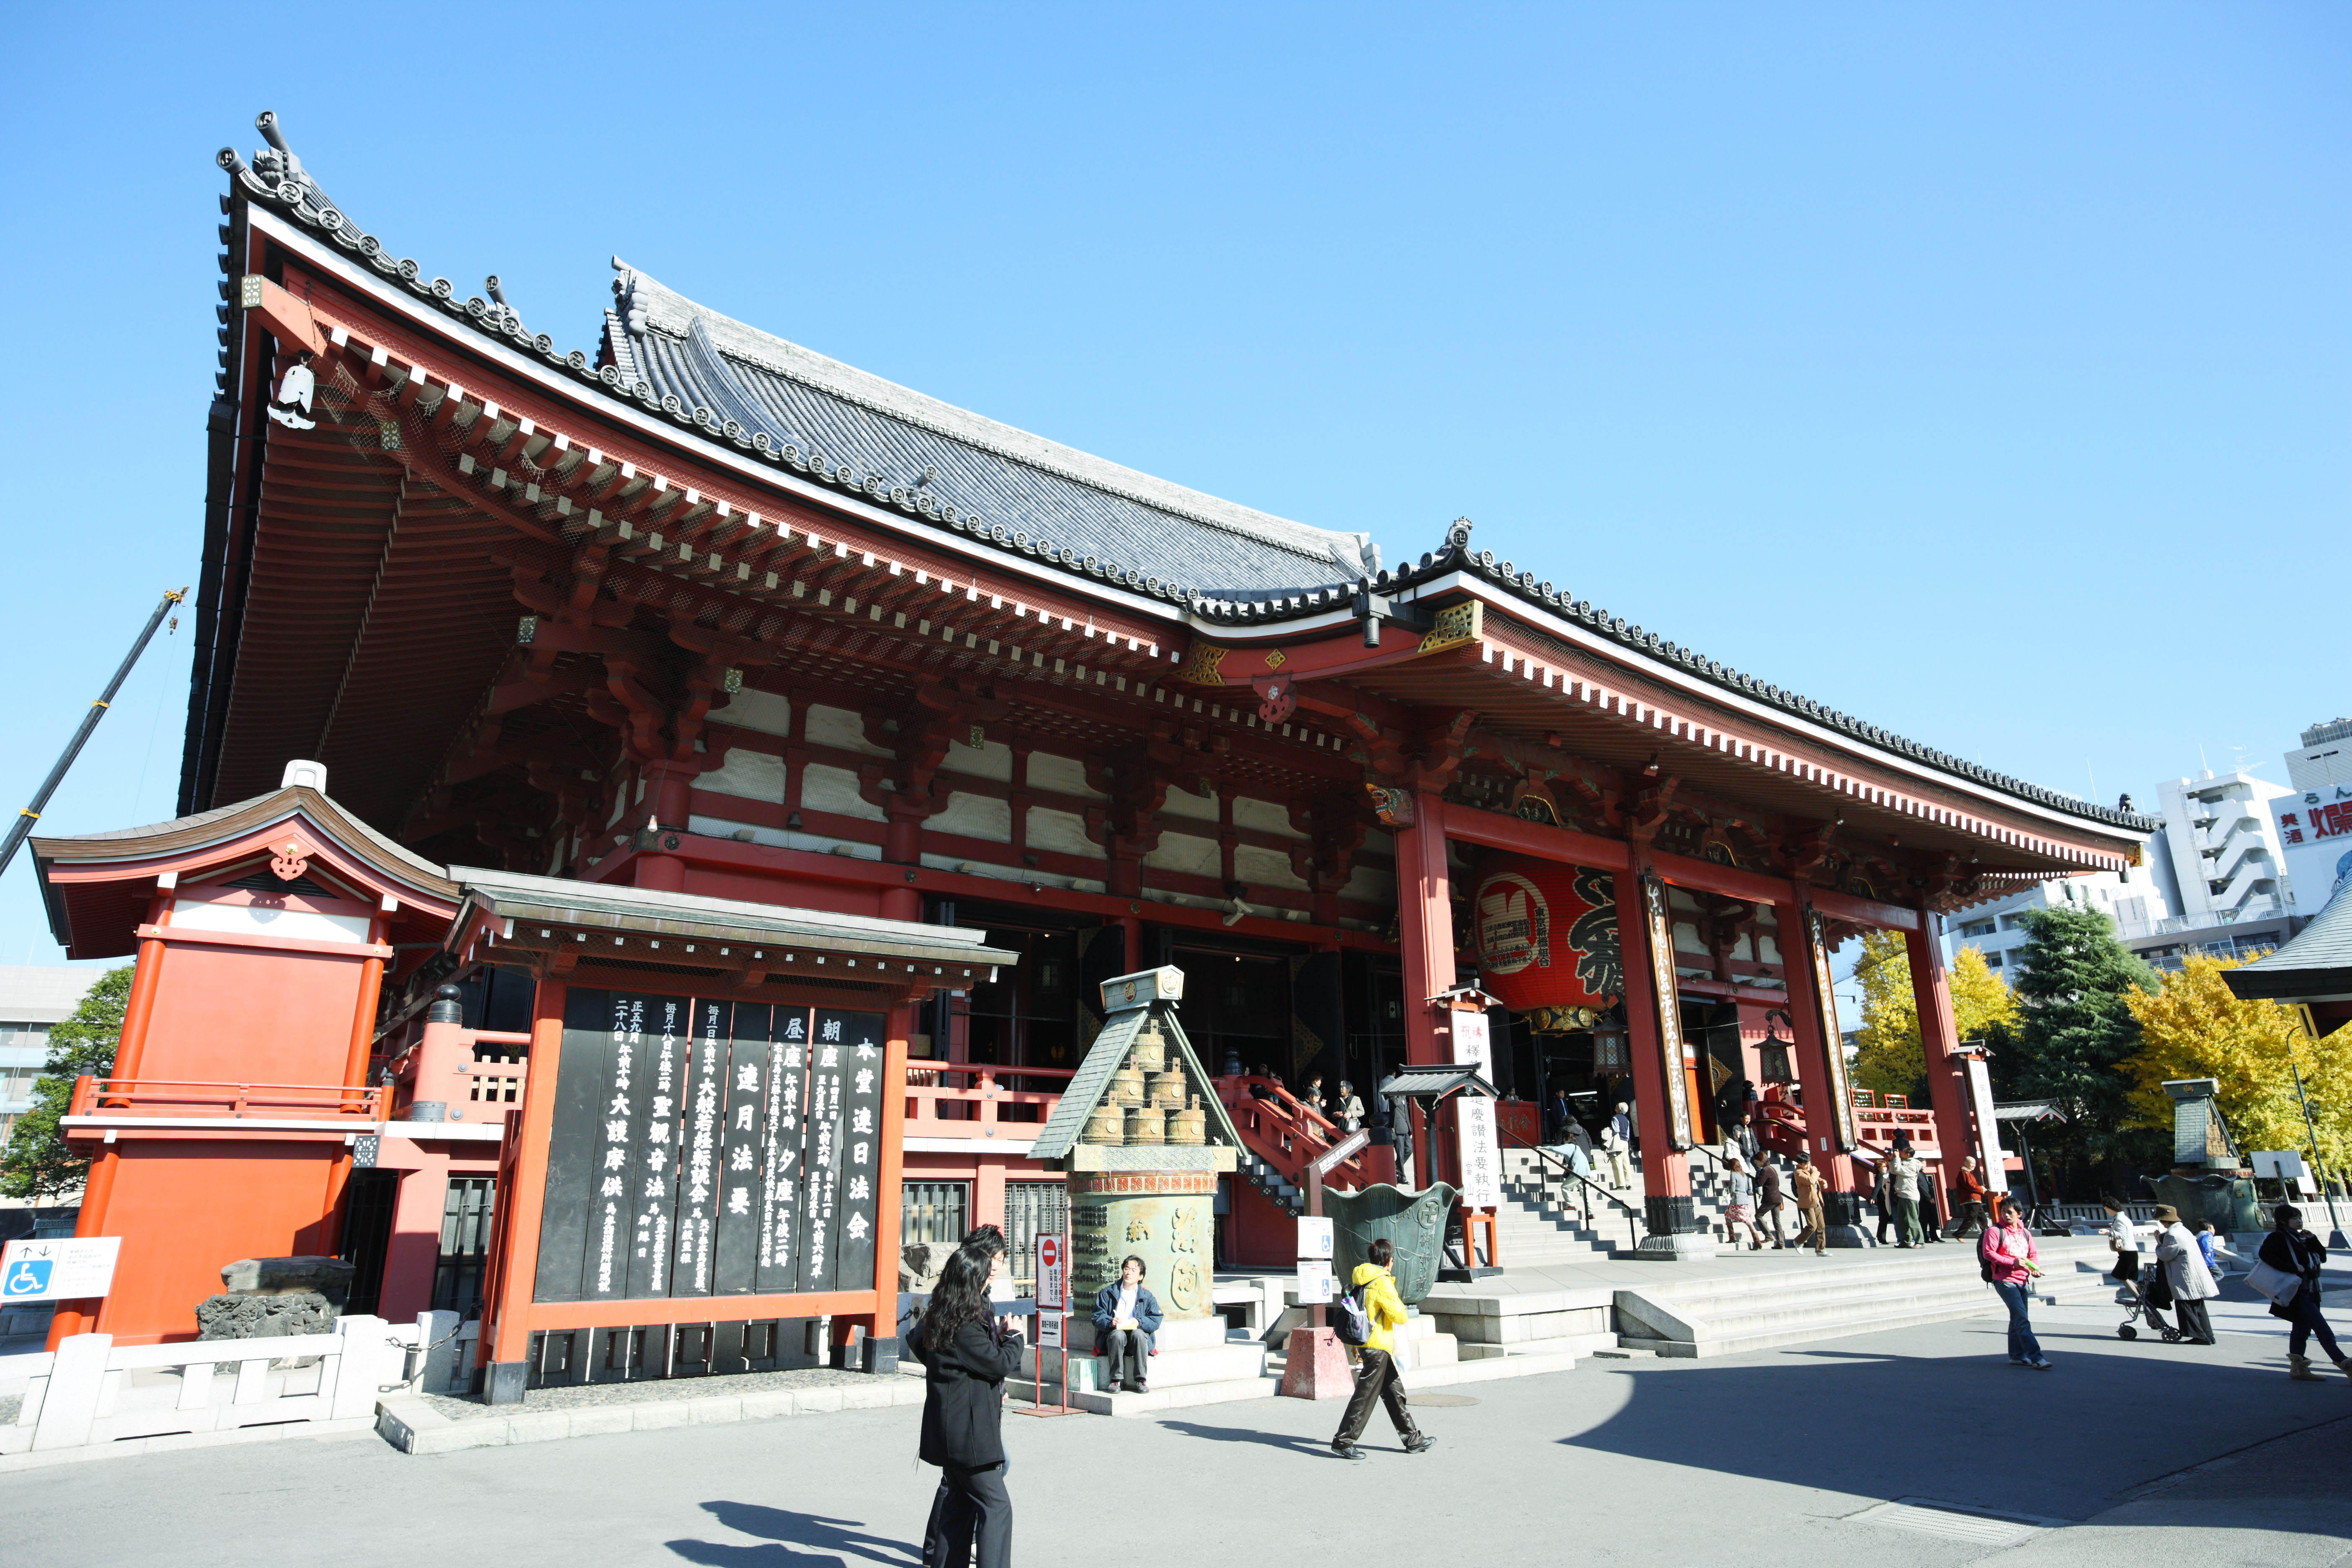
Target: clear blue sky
point(1980, 371)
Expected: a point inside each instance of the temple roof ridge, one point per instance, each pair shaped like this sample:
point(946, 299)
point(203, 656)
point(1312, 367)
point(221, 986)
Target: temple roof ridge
point(650, 305)
point(1096, 521)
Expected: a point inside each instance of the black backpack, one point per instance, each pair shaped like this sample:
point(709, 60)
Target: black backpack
point(1349, 1321)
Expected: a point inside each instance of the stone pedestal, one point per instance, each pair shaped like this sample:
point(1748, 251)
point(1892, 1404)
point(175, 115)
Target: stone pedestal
point(1315, 1366)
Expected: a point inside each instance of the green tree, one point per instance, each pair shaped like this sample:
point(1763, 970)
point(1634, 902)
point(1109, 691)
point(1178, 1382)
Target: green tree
point(2075, 1031)
point(36, 1164)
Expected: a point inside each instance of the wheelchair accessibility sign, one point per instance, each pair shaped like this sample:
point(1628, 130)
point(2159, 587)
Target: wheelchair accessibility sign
point(59, 1269)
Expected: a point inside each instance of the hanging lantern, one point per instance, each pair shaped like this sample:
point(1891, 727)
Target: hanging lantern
point(1547, 937)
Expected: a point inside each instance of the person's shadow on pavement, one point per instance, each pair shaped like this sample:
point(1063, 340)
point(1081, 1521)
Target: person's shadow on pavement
point(1241, 1434)
point(796, 1539)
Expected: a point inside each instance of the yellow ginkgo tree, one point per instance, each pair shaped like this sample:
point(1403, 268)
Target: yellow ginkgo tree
point(1889, 1056)
point(2194, 1028)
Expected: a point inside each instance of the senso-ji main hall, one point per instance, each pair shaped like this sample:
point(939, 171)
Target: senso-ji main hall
point(664, 657)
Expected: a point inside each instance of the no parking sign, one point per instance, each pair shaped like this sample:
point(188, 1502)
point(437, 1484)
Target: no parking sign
point(1052, 1273)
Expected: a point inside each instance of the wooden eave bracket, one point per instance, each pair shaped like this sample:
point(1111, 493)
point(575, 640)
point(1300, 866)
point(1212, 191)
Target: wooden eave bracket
point(289, 319)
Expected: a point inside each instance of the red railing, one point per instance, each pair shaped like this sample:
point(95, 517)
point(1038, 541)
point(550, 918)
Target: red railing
point(185, 1097)
point(1279, 1129)
point(968, 1100)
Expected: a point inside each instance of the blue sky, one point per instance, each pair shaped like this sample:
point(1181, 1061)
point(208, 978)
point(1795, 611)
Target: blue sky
point(1982, 372)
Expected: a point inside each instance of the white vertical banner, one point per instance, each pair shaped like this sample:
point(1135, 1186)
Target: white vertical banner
point(1988, 1128)
point(1472, 1044)
point(1482, 1152)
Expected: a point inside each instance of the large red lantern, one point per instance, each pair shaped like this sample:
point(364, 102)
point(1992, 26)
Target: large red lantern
point(1547, 934)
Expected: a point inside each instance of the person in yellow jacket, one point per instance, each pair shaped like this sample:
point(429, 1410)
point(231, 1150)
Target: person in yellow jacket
point(1376, 1368)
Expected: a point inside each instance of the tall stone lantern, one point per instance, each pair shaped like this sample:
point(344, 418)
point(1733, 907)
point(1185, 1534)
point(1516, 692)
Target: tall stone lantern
point(1142, 1140)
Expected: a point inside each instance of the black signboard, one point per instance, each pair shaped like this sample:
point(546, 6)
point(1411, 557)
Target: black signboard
point(698, 1150)
point(704, 1147)
point(782, 1174)
point(663, 1045)
point(742, 1141)
point(862, 1056)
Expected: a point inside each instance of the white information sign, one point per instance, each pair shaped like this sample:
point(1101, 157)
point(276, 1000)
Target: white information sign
point(62, 1269)
point(1049, 1331)
point(1053, 1273)
point(1314, 1237)
point(1471, 1043)
point(1314, 1282)
point(1482, 1152)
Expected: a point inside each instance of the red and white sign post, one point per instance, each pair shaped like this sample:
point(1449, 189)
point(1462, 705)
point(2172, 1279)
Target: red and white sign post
point(1052, 1302)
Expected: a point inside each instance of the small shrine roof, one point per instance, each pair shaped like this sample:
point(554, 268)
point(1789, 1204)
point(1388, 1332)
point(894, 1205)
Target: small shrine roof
point(2314, 965)
point(560, 900)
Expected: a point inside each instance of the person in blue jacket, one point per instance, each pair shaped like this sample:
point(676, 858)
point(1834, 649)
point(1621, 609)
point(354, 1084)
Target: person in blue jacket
point(1125, 1316)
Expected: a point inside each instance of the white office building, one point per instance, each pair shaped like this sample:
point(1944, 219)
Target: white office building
point(33, 998)
point(2313, 818)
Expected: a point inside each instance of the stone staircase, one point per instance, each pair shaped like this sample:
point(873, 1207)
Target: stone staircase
point(1780, 1304)
point(1535, 1230)
point(1283, 1192)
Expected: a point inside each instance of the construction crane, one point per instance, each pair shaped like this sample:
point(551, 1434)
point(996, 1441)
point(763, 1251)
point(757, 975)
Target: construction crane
point(23, 827)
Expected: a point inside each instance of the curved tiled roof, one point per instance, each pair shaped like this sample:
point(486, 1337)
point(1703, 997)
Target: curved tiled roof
point(761, 395)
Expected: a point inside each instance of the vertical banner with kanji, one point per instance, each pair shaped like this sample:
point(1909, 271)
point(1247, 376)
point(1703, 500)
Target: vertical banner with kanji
point(862, 1057)
point(782, 1176)
point(653, 1112)
point(1667, 997)
point(744, 1146)
point(698, 1156)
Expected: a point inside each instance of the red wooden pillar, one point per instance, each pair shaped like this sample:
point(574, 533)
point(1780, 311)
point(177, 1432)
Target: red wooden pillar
point(506, 1321)
point(1425, 941)
point(1661, 1090)
point(1820, 1066)
point(1425, 931)
point(669, 800)
point(1931, 990)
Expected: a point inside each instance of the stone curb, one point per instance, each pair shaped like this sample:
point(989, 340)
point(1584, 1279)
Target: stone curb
point(410, 1424)
point(356, 1426)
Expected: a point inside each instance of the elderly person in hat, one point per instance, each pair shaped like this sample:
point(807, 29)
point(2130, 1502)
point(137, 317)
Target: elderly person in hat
point(2185, 1273)
point(1617, 1146)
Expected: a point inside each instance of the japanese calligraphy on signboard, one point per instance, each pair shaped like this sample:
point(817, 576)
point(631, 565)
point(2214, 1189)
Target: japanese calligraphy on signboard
point(1825, 991)
point(1474, 1115)
point(704, 1147)
point(1669, 1010)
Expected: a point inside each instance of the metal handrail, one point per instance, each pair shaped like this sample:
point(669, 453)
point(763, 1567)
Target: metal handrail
point(1634, 1219)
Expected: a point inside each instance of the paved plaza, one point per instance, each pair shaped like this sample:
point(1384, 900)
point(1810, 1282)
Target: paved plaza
point(2141, 1453)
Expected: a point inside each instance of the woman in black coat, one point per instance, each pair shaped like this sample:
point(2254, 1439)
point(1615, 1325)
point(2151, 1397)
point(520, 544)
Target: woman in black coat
point(967, 1353)
point(2291, 1250)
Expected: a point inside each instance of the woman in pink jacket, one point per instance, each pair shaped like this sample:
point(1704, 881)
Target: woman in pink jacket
point(2009, 1254)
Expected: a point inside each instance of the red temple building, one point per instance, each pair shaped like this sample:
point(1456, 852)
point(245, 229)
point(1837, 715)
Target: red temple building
point(685, 613)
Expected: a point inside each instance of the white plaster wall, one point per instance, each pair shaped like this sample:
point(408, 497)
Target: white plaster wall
point(749, 775)
point(253, 919)
point(840, 728)
point(1190, 807)
point(1264, 816)
point(762, 710)
point(1061, 832)
point(976, 816)
point(834, 789)
point(1063, 775)
point(1264, 868)
point(1187, 853)
point(990, 761)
